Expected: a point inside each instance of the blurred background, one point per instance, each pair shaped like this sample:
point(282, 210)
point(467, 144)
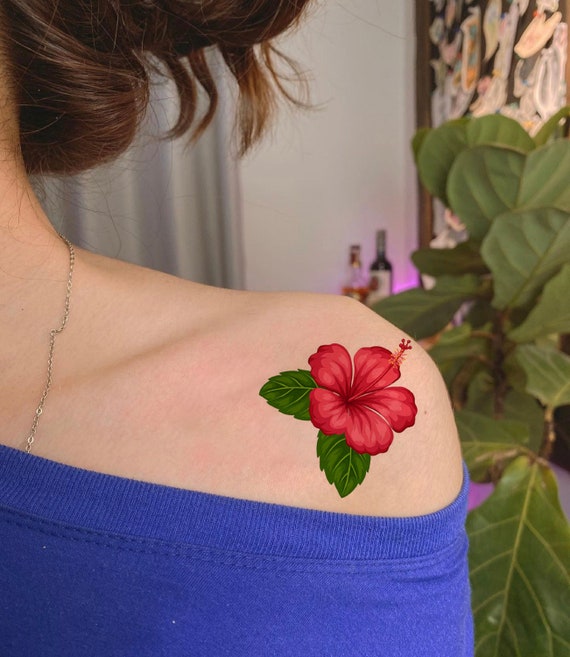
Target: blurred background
point(284, 217)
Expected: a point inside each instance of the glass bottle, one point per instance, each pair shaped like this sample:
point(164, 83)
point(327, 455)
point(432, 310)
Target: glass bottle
point(380, 283)
point(356, 283)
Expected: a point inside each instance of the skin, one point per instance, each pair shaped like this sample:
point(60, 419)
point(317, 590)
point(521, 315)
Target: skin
point(158, 378)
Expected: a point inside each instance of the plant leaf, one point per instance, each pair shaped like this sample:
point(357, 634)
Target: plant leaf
point(465, 258)
point(499, 130)
point(545, 179)
point(551, 314)
point(523, 250)
point(480, 394)
point(522, 407)
point(422, 313)
point(454, 349)
point(520, 563)
point(547, 373)
point(481, 314)
point(438, 151)
point(289, 393)
point(459, 343)
point(550, 127)
point(344, 467)
point(418, 141)
point(518, 406)
point(484, 183)
point(487, 441)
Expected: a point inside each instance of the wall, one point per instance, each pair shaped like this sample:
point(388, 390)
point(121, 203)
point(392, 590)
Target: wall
point(331, 177)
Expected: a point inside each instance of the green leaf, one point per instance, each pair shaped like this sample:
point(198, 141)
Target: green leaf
point(465, 258)
point(551, 126)
point(344, 468)
point(484, 183)
point(487, 442)
point(438, 151)
point(545, 179)
point(422, 313)
point(519, 566)
point(455, 348)
point(547, 373)
point(521, 407)
point(289, 393)
point(518, 406)
point(481, 314)
point(418, 140)
point(499, 130)
point(480, 394)
point(459, 343)
point(551, 314)
point(523, 250)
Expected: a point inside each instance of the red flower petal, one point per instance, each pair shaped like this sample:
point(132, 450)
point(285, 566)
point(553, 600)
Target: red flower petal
point(373, 370)
point(331, 367)
point(397, 405)
point(366, 411)
point(367, 432)
point(328, 411)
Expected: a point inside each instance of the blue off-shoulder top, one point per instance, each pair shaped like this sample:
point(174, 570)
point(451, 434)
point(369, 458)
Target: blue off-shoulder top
point(93, 565)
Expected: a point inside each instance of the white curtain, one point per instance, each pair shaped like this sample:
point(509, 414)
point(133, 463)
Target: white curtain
point(162, 205)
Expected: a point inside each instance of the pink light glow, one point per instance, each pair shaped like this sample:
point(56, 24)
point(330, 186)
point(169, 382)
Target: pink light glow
point(410, 283)
point(478, 493)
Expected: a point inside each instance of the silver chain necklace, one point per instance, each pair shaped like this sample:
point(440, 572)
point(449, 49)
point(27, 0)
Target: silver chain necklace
point(52, 337)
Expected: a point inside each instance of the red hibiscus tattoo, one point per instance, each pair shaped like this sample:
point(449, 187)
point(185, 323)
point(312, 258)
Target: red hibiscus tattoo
point(358, 401)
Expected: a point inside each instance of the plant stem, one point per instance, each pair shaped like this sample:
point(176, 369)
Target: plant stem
point(462, 380)
point(501, 384)
point(549, 434)
point(483, 334)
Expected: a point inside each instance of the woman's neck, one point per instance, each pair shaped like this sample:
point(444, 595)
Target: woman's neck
point(27, 238)
point(29, 244)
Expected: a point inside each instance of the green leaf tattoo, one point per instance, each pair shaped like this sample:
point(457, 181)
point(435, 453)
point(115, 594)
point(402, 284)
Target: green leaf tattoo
point(289, 393)
point(343, 466)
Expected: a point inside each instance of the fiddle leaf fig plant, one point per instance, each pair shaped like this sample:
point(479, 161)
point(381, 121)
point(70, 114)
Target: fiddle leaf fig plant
point(509, 283)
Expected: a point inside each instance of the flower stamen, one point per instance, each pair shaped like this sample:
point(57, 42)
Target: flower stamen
point(399, 356)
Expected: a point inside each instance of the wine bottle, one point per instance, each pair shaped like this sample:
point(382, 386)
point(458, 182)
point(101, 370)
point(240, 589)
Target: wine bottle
point(380, 284)
point(356, 283)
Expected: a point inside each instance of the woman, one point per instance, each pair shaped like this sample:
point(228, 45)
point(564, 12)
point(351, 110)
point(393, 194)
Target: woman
point(154, 504)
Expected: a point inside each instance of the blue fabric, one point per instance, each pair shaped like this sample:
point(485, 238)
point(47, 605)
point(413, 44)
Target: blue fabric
point(102, 566)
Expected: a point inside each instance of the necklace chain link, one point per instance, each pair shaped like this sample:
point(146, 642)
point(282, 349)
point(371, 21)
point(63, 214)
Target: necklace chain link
point(52, 338)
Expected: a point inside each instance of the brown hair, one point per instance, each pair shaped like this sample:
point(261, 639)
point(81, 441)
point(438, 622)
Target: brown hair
point(80, 69)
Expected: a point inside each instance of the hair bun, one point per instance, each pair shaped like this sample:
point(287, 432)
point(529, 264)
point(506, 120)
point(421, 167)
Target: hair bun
point(228, 23)
point(81, 69)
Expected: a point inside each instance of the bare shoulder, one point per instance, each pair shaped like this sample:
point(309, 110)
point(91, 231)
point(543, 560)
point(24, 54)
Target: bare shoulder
point(178, 368)
point(260, 453)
